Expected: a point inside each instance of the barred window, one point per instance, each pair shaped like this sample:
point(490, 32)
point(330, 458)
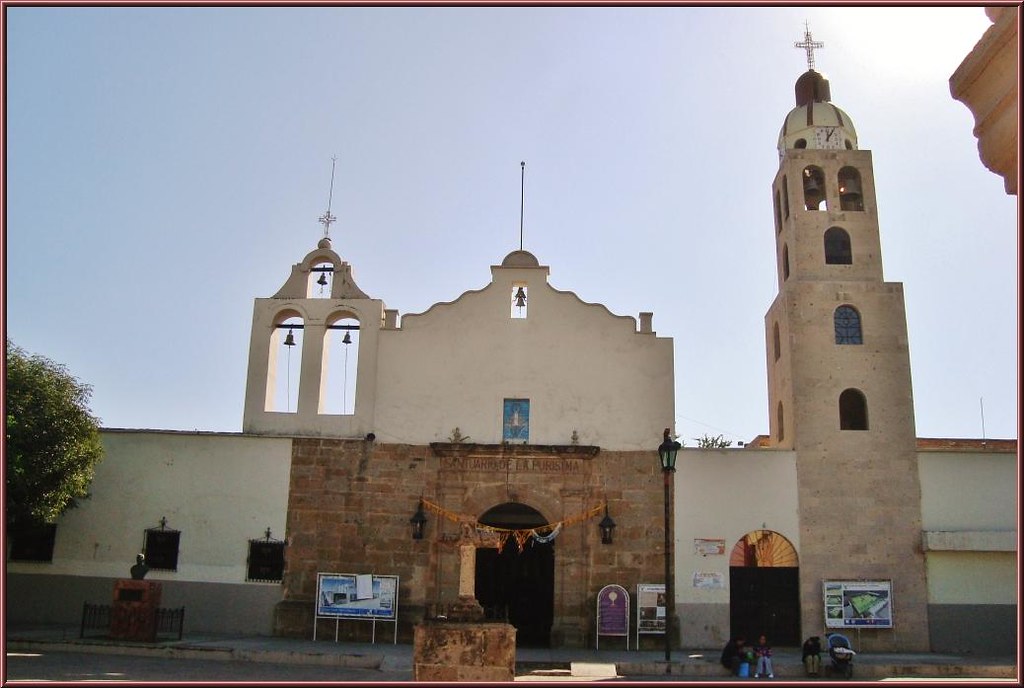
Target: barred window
point(161, 548)
point(33, 543)
point(266, 560)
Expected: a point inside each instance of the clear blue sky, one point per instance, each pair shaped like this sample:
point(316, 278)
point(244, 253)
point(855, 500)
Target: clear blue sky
point(166, 166)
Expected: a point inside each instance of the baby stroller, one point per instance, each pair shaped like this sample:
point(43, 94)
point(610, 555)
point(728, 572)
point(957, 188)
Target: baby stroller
point(841, 653)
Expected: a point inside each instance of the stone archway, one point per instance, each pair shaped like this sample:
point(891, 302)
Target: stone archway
point(518, 586)
point(764, 589)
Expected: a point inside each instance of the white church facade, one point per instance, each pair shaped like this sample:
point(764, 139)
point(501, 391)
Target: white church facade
point(531, 414)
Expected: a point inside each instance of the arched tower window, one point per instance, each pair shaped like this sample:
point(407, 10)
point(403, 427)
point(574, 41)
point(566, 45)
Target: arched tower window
point(321, 277)
point(814, 187)
point(847, 324)
point(285, 363)
point(778, 213)
point(785, 197)
point(340, 366)
point(780, 422)
point(776, 341)
point(850, 197)
point(853, 410)
point(785, 262)
point(838, 250)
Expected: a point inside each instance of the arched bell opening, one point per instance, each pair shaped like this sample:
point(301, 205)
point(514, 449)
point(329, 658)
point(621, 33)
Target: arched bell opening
point(814, 187)
point(764, 589)
point(518, 585)
point(339, 371)
point(284, 363)
point(850, 195)
point(321, 281)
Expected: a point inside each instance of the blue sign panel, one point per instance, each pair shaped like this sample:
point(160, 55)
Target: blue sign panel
point(516, 421)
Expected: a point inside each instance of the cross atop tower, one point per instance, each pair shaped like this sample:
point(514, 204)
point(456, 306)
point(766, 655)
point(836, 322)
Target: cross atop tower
point(809, 45)
point(326, 219)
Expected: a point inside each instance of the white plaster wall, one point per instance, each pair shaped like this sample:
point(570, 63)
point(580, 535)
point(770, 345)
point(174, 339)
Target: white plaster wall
point(968, 491)
point(581, 367)
point(972, 577)
point(725, 494)
point(219, 490)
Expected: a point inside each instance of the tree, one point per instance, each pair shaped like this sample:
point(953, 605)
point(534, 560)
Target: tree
point(52, 440)
point(708, 442)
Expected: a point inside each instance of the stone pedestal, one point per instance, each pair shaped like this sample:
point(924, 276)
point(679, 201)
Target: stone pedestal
point(133, 613)
point(445, 651)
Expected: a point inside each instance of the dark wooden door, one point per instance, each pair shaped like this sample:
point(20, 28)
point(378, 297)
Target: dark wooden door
point(518, 587)
point(765, 600)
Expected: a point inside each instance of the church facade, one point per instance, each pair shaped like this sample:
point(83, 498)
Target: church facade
point(533, 417)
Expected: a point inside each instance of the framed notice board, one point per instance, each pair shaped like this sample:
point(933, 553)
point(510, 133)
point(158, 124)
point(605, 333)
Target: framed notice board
point(361, 596)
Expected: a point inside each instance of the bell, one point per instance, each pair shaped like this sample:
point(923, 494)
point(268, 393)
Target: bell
point(849, 194)
point(812, 193)
point(346, 339)
point(323, 279)
point(289, 339)
point(520, 298)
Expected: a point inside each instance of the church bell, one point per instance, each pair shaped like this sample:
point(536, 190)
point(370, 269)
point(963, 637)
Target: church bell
point(289, 339)
point(520, 298)
point(323, 279)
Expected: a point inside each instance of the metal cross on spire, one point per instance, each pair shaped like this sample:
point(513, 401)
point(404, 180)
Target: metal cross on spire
point(809, 45)
point(326, 219)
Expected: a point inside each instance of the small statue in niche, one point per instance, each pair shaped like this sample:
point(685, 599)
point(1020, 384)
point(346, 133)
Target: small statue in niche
point(140, 569)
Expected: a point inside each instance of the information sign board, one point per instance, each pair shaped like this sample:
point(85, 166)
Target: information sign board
point(858, 604)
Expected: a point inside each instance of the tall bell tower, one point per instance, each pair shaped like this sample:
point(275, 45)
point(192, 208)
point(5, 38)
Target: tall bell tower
point(839, 386)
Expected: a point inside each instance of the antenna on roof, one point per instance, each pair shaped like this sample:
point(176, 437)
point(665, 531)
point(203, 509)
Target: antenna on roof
point(522, 200)
point(809, 45)
point(326, 219)
point(981, 400)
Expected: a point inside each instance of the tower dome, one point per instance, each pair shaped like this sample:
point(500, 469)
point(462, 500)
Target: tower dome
point(815, 122)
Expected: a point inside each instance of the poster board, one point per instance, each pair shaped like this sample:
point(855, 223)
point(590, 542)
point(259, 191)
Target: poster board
point(612, 613)
point(650, 609)
point(365, 596)
point(858, 604)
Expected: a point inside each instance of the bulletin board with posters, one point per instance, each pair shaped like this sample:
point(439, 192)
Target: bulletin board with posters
point(362, 596)
point(858, 604)
point(650, 609)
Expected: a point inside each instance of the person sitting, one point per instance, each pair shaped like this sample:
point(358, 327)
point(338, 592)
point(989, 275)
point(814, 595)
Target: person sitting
point(763, 652)
point(733, 654)
point(812, 655)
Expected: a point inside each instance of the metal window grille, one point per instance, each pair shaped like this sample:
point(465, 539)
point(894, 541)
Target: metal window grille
point(161, 548)
point(265, 563)
point(33, 543)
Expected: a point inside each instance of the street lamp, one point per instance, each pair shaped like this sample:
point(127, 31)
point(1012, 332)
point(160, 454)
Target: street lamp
point(667, 454)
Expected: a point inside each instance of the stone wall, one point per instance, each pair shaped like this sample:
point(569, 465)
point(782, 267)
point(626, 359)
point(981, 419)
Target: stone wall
point(350, 502)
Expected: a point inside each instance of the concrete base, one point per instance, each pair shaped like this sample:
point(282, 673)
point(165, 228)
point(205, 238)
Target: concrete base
point(445, 651)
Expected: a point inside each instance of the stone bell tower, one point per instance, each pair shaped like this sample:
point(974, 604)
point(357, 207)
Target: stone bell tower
point(839, 385)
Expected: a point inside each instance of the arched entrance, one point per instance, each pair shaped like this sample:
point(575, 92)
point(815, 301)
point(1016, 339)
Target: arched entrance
point(764, 589)
point(515, 586)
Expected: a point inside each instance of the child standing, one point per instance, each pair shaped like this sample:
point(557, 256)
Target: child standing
point(764, 658)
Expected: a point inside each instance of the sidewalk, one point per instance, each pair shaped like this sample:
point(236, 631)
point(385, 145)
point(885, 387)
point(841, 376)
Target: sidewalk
point(386, 656)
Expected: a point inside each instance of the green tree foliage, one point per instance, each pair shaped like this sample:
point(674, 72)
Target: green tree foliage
point(708, 442)
point(52, 440)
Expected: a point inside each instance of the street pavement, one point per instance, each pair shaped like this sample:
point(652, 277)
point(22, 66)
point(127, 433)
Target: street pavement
point(56, 653)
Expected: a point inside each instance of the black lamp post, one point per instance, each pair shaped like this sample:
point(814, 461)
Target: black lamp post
point(667, 454)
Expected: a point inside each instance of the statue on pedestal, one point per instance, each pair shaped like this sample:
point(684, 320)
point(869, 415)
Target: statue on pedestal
point(140, 569)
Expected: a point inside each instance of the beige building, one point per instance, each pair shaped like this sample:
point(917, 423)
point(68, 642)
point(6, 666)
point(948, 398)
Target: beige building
point(525, 417)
